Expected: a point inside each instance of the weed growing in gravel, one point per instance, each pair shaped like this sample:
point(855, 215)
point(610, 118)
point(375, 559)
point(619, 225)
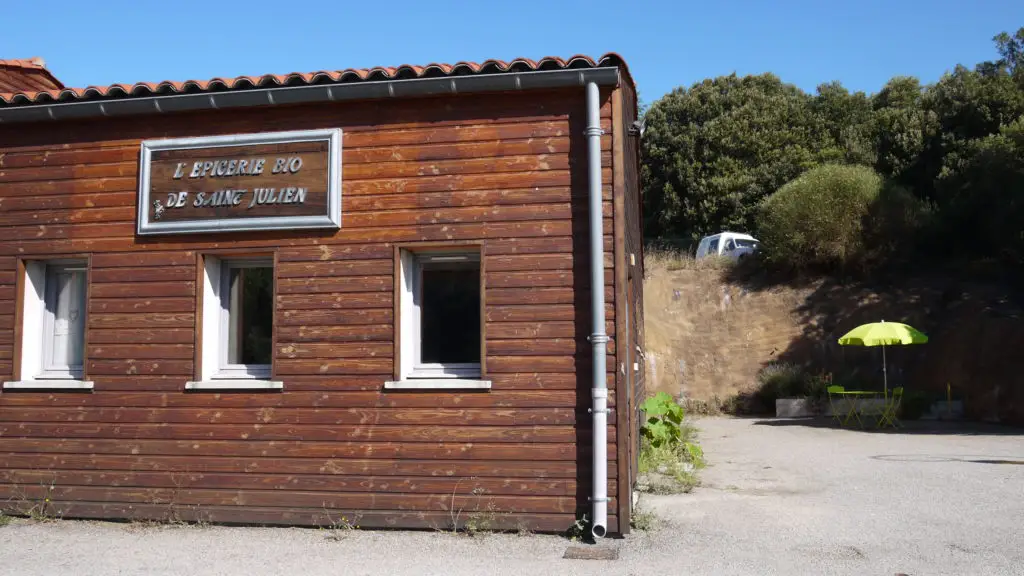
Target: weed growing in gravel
point(643, 520)
point(339, 527)
point(5, 520)
point(479, 522)
point(580, 529)
point(37, 509)
point(669, 448)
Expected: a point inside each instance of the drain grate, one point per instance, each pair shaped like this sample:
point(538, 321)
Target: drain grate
point(592, 553)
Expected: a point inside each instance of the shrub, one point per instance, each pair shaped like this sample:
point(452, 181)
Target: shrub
point(779, 380)
point(817, 220)
point(782, 380)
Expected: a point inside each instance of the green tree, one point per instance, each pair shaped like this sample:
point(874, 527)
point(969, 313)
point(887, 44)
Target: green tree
point(847, 123)
point(1011, 52)
point(901, 128)
point(983, 196)
point(713, 151)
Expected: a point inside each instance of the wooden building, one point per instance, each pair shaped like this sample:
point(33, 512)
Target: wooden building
point(287, 299)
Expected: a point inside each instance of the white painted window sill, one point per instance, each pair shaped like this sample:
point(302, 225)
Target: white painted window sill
point(49, 385)
point(437, 384)
point(241, 384)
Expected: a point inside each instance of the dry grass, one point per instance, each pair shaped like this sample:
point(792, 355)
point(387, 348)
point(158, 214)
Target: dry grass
point(707, 339)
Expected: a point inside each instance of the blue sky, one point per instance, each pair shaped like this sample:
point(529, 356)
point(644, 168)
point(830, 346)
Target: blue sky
point(665, 43)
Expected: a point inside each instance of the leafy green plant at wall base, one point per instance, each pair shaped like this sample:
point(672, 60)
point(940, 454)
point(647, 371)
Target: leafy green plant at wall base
point(664, 420)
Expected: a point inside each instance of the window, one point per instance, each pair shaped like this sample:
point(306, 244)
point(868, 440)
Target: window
point(247, 319)
point(702, 248)
point(53, 325)
point(730, 245)
point(64, 324)
point(238, 324)
point(713, 247)
point(439, 311)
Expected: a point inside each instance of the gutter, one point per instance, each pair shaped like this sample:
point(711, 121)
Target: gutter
point(598, 338)
point(285, 95)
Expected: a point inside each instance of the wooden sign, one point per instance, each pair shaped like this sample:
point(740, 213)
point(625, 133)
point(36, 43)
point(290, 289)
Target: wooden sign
point(267, 181)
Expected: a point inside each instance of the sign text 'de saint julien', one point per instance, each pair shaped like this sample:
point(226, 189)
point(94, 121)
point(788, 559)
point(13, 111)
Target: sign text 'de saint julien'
point(267, 181)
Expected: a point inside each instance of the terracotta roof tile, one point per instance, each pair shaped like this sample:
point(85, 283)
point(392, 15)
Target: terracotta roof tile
point(29, 97)
point(28, 75)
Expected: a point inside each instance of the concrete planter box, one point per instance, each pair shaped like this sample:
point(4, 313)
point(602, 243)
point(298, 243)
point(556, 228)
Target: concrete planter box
point(805, 407)
point(944, 410)
point(795, 408)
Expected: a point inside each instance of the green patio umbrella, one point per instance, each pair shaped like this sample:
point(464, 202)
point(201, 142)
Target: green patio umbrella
point(883, 334)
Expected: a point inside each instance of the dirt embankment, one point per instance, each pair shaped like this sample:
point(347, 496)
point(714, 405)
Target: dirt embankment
point(708, 334)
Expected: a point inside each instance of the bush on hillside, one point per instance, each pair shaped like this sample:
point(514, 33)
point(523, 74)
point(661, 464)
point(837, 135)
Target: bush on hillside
point(898, 227)
point(817, 221)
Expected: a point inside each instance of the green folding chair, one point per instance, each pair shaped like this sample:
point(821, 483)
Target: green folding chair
point(892, 408)
point(832, 391)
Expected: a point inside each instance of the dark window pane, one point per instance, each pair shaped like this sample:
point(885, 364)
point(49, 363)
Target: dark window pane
point(450, 315)
point(252, 315)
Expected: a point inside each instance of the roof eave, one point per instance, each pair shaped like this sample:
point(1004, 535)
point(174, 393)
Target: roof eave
point(281, 95)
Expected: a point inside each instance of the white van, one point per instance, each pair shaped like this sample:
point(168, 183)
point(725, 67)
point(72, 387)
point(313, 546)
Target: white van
point(727, 244)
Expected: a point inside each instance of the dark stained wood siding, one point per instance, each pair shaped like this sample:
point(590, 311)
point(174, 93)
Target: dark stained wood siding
point(629, 269)
point(505, 170)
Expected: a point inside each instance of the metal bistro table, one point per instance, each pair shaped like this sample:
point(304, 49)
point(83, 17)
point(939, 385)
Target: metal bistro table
point(854, 399)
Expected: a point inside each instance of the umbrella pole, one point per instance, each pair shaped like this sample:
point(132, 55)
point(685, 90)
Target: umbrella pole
point(885, 375)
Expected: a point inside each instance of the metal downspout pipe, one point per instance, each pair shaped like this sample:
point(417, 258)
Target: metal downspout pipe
point(598, 337)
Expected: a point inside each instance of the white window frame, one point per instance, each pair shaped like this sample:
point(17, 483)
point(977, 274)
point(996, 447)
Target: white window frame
point(216, 372)
point(37, 369)
point(414, 373)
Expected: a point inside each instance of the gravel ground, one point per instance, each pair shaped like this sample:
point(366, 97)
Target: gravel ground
point(784, 497)
point(787, 499)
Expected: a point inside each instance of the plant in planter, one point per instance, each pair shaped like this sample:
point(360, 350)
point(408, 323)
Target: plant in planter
point(788, 390)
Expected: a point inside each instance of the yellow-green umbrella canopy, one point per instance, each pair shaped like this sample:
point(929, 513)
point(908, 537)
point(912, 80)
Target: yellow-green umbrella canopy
point(883, 334)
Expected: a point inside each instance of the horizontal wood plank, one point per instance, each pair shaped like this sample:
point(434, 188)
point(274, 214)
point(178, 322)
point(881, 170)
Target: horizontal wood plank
point(142, 336)
point(295, 449)
point(284, 483)
point(314, 517)
point(264, 416)
point(496, 398)
point(404, 467)
point(142, 289)
point(383, 433)
point(336, 317)
point(335, 333)
point(149, 305)
point(347, 300)
point(336, 350)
